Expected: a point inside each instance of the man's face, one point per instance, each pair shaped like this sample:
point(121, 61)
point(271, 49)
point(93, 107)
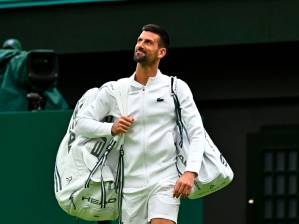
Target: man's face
point(147, 48)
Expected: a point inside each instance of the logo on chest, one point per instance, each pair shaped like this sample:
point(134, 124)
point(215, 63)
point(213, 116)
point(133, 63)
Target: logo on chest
point(160, 99)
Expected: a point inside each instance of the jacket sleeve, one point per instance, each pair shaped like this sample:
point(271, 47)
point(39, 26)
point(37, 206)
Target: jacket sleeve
point(194, 126)
point(88, 122)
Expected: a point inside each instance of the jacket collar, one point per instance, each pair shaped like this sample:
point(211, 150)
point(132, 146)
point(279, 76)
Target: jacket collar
point(150, 80)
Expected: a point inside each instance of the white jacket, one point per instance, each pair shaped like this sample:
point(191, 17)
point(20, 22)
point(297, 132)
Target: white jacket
point(150, 153)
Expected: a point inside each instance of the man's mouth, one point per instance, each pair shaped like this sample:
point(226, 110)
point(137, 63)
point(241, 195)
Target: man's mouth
point(140, 51)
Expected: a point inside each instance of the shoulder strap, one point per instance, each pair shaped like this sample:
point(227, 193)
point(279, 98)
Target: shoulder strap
point(173, 88)
point(173, 84)
point(121, 94)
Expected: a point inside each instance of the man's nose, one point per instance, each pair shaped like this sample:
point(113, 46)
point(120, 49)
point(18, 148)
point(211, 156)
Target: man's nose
point(140, 44)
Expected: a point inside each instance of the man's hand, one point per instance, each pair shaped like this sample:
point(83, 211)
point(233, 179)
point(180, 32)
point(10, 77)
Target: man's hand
point(184, 184)
point(122, 125)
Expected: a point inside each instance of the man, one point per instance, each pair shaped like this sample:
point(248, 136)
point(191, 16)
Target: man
point(152, 187)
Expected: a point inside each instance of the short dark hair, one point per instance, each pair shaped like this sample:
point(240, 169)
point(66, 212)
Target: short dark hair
point(164, 38)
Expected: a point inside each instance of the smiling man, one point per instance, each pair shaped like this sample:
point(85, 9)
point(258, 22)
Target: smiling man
point(152, 186)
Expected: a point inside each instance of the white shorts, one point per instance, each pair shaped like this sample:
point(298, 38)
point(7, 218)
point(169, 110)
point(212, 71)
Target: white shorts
point(141, 205)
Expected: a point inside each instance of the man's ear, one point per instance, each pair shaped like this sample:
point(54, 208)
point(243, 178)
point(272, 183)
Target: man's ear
point(162, 52)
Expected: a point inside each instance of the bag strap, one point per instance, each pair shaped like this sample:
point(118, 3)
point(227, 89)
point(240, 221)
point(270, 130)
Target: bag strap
point(122, 101)
point(179, 121)
point(121, 95)
point(120, 183)
point(178, 113)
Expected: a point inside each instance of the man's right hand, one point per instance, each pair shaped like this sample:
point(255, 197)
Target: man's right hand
point(122, 125)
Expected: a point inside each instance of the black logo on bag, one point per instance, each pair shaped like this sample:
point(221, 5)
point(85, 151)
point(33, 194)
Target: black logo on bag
point(98, 202)
point(69, 179)
point(72, 138)
point(182, 159)
point(223, 161)
point(98, 147)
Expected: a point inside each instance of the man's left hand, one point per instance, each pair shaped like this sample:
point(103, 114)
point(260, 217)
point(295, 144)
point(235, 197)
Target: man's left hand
point(184, 184)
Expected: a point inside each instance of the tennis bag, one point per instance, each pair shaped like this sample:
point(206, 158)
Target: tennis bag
point(88, 175)
point(215, 173)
